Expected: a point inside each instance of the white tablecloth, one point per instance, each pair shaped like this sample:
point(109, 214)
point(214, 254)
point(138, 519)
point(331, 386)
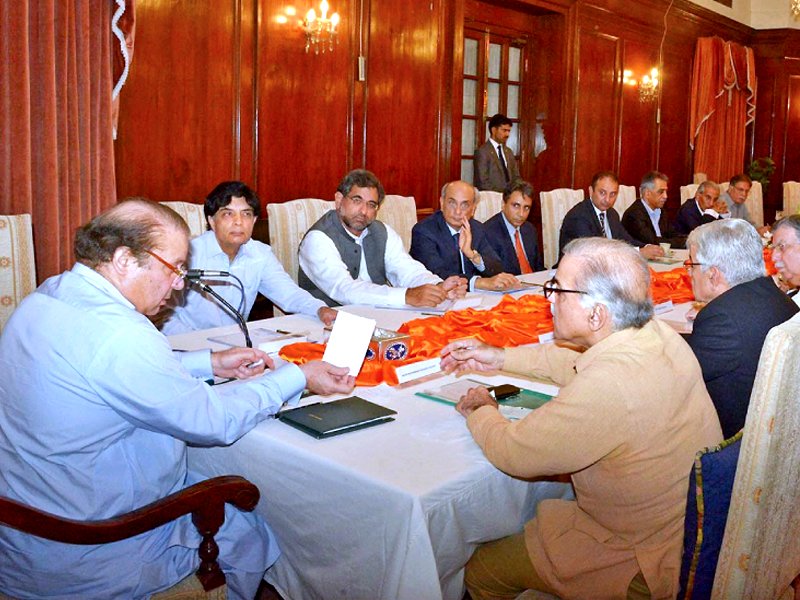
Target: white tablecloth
point(390, 512)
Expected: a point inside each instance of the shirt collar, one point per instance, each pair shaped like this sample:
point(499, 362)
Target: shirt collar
point(653, 212)
point(511, 229)
point(97, 280)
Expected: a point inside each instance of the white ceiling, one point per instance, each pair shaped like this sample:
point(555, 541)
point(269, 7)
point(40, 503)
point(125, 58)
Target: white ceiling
point(760, 14)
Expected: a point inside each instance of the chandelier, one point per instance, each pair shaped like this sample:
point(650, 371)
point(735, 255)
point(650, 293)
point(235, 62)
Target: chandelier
point(321, 31)
point(795, 8)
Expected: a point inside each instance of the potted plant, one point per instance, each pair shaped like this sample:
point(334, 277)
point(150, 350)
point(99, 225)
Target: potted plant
point(761, 169)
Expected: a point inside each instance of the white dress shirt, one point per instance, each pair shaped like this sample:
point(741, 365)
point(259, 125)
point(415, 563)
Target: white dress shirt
point(321, 261)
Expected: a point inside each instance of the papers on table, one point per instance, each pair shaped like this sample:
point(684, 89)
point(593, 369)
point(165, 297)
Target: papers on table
point(349, 340)
point(522, 403)
point(268, 340)
point(468, 301)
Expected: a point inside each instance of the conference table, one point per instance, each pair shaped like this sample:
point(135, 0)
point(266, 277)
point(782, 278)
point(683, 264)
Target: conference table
point(386, 512)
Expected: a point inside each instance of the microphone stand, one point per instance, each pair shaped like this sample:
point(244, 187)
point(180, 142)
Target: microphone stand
point(237, 315)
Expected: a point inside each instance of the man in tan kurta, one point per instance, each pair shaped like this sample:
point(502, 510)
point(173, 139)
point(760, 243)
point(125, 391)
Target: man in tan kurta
point(630, 416)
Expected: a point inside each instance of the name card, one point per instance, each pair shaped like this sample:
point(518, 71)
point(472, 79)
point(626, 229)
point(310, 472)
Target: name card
point(546, 337)
point(418, 370)
point(660, 309)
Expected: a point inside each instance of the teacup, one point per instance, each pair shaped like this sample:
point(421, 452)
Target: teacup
point(665, 246)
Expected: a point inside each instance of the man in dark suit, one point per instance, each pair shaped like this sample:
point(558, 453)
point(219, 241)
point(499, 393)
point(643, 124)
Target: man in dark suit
point(495, 165)
point(645, 219)
point(510, 233)
point(596, 217)
point(450, 242)
point(705, 207)
point(726, 264)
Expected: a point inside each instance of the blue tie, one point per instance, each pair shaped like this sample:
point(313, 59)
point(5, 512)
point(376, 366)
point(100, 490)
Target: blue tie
point(458, 252)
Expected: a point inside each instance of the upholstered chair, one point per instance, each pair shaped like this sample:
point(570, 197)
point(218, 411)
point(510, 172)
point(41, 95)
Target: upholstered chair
point(489, 205)
point(399, 213)
point(193, 215)
point(555, 205)
point(17, 267)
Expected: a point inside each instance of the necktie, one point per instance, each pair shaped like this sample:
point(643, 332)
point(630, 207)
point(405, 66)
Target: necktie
point(503, 162)
point(458, 252)
point(524, 265)
point(603, 224)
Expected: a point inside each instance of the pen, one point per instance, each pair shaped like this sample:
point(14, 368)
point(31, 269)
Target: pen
point(256, 363)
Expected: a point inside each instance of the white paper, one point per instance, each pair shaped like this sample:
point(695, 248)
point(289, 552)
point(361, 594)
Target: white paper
point(418, 370)
point(349, 341)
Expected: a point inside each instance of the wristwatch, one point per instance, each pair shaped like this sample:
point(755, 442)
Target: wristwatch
point(476, 257)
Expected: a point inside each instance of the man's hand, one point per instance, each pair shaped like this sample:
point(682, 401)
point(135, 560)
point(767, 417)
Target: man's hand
point(455, 286)
point(323, 378)
point(426, 295)
point(465, 239)
point(473, 399)
point(720, 206)
point(500, 282)
point(471, 355)
point(651, 251)
point(327, 315)
point(233, 362)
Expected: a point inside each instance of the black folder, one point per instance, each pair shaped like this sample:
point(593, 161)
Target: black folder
point(322, 420)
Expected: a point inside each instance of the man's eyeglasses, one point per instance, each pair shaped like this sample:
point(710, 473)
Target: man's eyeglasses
point(688, 264)
point(552, 286)
point(782, 246)
point(179, 271)
point(359, 201)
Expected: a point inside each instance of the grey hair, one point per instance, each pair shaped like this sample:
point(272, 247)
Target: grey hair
point(614, 274)
point(731, 245)
point(790, 222)
point(649, 181)
point(476, 194)
point(708, 184)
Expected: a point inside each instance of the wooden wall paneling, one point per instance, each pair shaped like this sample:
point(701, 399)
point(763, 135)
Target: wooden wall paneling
point(639, 135)
point(404, 97)
point(305, 103)
point(790, 166)
point(180, 111)
point(597, 131)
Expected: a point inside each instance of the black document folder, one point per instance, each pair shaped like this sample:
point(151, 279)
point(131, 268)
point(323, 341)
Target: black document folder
point(340, 416)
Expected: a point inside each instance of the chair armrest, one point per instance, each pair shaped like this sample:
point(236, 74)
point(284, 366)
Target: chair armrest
point(205, 501)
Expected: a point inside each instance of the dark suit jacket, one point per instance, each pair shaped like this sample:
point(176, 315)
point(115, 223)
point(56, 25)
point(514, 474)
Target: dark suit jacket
point(581, 221)
point(501, 242)
point(727, 338)
point(488, 170)
point(636, 221)
point(690, 217)
point(432, 245)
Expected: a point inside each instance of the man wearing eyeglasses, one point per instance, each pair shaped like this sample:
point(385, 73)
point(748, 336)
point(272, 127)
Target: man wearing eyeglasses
point(786, 253)
point(231, 210)
point(349, 257)
point(96, 412)
point(736, 197)
point(631, 413)
point(726, 263)
point(451, 243)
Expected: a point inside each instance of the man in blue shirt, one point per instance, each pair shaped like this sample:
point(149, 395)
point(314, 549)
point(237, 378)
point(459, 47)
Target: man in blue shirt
point(96, 412)
point(231, 210)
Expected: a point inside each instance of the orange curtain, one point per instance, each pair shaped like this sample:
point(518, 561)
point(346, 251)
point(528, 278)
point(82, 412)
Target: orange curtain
point(56, 148)
point(723, 103)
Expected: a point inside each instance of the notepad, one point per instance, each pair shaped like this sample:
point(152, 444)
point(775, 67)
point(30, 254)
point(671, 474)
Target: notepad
point(323, 420)
point(452, 392)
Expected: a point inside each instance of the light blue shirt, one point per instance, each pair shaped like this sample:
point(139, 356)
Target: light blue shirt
point(95, 415)
point(655, 216)
point(258, 269)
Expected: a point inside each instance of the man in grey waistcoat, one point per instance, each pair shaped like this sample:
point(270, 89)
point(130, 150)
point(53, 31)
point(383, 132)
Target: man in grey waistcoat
point(348, 257)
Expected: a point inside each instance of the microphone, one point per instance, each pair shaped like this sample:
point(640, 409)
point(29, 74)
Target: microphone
point(197, 274)
point(235, 313)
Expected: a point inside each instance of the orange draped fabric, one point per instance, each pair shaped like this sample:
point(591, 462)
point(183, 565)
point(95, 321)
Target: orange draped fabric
point(723, 103)
point(513, 322)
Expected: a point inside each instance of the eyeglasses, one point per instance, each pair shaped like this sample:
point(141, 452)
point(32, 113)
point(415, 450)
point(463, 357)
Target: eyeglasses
point(359, 201)
point(688, 264)
point(179, 271)
point(782, 246)
point(552, 286)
